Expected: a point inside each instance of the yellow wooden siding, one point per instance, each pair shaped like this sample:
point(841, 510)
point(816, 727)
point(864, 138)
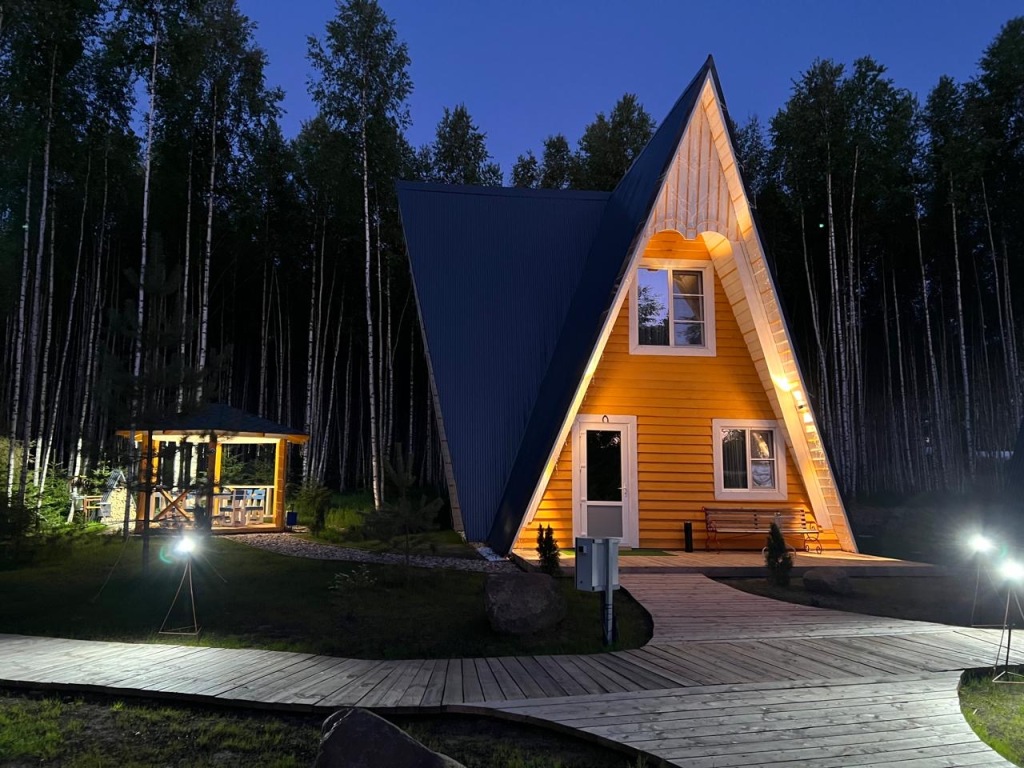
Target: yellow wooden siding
point(674, 399)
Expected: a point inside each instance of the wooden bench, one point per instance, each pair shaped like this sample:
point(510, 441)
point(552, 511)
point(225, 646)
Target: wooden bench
point(749, 521)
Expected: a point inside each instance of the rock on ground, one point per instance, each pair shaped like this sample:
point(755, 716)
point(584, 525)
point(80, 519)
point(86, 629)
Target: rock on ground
point(523, 603)
point(828, 581)
point(357, 738)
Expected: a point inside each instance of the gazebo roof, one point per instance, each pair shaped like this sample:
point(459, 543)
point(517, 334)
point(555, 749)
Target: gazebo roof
point(221, 420)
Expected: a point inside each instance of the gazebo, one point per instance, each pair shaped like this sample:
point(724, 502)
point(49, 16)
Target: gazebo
point(181, 479)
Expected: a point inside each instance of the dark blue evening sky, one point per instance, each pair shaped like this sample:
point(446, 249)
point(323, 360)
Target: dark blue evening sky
point(529, 68)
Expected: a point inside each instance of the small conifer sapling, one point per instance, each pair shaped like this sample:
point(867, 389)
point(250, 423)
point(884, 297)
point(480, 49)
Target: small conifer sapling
point(777, 557)
point(547, 551)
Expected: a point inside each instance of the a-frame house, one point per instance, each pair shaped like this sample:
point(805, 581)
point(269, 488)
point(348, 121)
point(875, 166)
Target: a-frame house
point(613, 363)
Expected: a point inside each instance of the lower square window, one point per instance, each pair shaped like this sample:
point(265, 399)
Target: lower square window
point(750, 460)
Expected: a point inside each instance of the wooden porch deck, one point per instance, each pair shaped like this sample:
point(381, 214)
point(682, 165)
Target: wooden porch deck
point(723, 670)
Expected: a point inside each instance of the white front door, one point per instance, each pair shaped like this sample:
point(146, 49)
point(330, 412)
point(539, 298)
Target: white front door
point(604, 478)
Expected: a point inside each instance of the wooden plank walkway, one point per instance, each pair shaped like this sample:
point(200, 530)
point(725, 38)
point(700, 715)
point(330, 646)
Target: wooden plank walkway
point(723, 669)
point(904, 720)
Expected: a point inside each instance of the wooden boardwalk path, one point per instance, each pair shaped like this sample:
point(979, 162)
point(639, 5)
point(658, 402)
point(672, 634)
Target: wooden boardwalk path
point(723, 669)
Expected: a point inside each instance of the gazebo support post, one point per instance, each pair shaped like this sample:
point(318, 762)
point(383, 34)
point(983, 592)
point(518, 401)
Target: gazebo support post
point(280, 478)
point(150, 463)
point(213, 479)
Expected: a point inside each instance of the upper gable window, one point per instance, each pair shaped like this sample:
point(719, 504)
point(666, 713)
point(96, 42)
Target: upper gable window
point(673, 308)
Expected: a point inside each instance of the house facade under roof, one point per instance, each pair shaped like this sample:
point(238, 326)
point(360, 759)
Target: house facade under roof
point(613, 364)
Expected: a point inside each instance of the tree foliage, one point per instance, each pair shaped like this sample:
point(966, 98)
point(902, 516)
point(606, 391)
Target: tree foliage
point(276, 277)
point(459, 153)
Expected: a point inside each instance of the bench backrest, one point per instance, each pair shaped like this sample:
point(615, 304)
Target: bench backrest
point(757, 517)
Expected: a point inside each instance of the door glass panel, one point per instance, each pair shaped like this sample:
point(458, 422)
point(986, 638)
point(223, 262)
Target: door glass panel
point(604, 465)
point(604, 521)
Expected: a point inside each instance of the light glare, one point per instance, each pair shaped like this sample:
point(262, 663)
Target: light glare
point(1011, 570)
point(981, 544)
point(186, 546)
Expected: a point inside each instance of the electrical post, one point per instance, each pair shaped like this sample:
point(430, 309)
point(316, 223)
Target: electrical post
point(597, 570)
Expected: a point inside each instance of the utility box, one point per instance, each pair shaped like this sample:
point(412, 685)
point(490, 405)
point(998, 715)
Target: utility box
point(597, 564)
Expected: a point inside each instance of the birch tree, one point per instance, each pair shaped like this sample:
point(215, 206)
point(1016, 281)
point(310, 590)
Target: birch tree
point(361, 85)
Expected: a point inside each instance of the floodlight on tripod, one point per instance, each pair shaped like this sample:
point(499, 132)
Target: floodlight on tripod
point(1012, 572)
point(186, 546)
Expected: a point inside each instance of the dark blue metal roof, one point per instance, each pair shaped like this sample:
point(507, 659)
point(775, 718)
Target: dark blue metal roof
point(494, 270)
point(511, 316)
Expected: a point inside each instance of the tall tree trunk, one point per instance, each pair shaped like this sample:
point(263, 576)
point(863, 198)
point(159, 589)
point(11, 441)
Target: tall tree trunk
point(46, 414)
point(204, 297)
point(140, 314)
point(371, 379)
point(35, 319)
point(904, 411)
point(19, 340)
point(1017, 381)
point(962, 343)
point(92, 335)
point(307, 420)
point(184, 331)
point(264, 338)
point(321, 470)
point(934, 383)
point(64, 355)
point(282, 348)
point(346, 424)
point(838, 326)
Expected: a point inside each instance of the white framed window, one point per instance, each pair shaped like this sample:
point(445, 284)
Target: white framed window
point(673, 308)
point(750, 460)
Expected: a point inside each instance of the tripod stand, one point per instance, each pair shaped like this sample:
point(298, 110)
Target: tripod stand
point(190, 605)
point(1006, 676)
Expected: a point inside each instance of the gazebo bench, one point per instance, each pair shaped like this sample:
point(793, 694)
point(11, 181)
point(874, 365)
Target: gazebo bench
point(792, 521)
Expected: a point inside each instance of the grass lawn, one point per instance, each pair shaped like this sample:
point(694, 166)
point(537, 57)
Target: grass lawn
point(995, 712)
point(94, 731)
point(436, 543)
point(95, 589)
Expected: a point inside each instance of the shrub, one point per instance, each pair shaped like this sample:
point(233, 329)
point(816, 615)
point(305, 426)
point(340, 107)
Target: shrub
point(777, 558)
point(402, 518)
point(547, 551)
point(311, 502)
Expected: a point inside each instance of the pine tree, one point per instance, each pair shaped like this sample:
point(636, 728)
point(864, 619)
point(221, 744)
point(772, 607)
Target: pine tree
point(777, 557)
point(547, 551)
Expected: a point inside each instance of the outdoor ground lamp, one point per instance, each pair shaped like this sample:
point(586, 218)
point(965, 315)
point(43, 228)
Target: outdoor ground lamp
point(185, 547)
point(1012, 572)
point(979, 545)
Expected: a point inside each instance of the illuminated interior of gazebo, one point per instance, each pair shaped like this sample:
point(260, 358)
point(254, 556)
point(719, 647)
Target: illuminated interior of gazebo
point(219, 468)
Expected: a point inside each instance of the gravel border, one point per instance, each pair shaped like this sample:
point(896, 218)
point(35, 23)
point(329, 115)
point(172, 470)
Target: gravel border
point(296, 546)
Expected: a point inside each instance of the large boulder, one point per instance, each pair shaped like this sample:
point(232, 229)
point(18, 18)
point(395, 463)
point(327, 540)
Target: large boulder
point(523, 603)
point(828, 581)
point(357, 738)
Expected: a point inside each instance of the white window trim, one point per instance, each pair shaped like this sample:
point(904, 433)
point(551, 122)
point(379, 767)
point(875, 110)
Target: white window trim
point(708, 270)
point(740, 494)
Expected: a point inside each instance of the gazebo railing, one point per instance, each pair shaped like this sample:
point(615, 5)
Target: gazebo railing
point(234, 506)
